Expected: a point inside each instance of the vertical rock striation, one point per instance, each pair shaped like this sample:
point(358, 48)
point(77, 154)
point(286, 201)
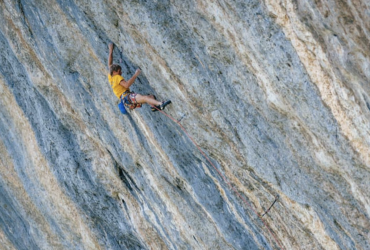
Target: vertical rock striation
point(276, 94)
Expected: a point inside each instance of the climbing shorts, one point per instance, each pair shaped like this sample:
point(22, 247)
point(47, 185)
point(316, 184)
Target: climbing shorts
point(130, 101)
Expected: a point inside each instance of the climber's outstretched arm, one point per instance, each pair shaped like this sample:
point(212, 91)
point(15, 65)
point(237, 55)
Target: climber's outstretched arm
point(110, 57)
point(127, 84)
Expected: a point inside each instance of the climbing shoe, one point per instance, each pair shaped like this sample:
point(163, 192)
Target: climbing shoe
point(164, 104)
point(160, 107)
point(153, 109)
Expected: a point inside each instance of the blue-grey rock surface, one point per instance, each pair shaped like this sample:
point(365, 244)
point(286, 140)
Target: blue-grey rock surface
point(276, 93)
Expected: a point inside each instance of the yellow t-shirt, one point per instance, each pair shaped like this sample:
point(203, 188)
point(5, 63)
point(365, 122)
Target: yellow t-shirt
point(114, 83)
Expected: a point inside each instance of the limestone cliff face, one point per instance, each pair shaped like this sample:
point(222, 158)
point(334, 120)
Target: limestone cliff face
point(275, 92)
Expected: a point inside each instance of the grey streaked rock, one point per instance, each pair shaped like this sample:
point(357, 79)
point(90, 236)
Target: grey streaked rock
point(276, 93)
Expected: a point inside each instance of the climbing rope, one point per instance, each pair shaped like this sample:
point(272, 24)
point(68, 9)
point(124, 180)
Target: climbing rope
point(223, 177)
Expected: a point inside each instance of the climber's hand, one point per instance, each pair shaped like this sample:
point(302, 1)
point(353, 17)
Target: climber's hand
point(111, 47)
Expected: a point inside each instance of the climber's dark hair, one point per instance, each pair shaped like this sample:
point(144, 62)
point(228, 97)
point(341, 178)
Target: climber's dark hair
point(114, 68)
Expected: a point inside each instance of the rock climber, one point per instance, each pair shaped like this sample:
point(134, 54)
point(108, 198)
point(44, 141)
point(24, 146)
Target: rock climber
point(121, 88)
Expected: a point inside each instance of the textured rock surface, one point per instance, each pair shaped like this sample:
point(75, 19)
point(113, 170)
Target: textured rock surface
point(276, 93)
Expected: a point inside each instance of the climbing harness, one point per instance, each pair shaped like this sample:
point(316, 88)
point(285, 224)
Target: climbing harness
point(224, 178)
point(129, 100)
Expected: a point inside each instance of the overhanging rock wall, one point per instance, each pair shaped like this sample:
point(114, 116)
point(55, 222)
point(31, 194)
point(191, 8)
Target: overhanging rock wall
point(276, 93)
